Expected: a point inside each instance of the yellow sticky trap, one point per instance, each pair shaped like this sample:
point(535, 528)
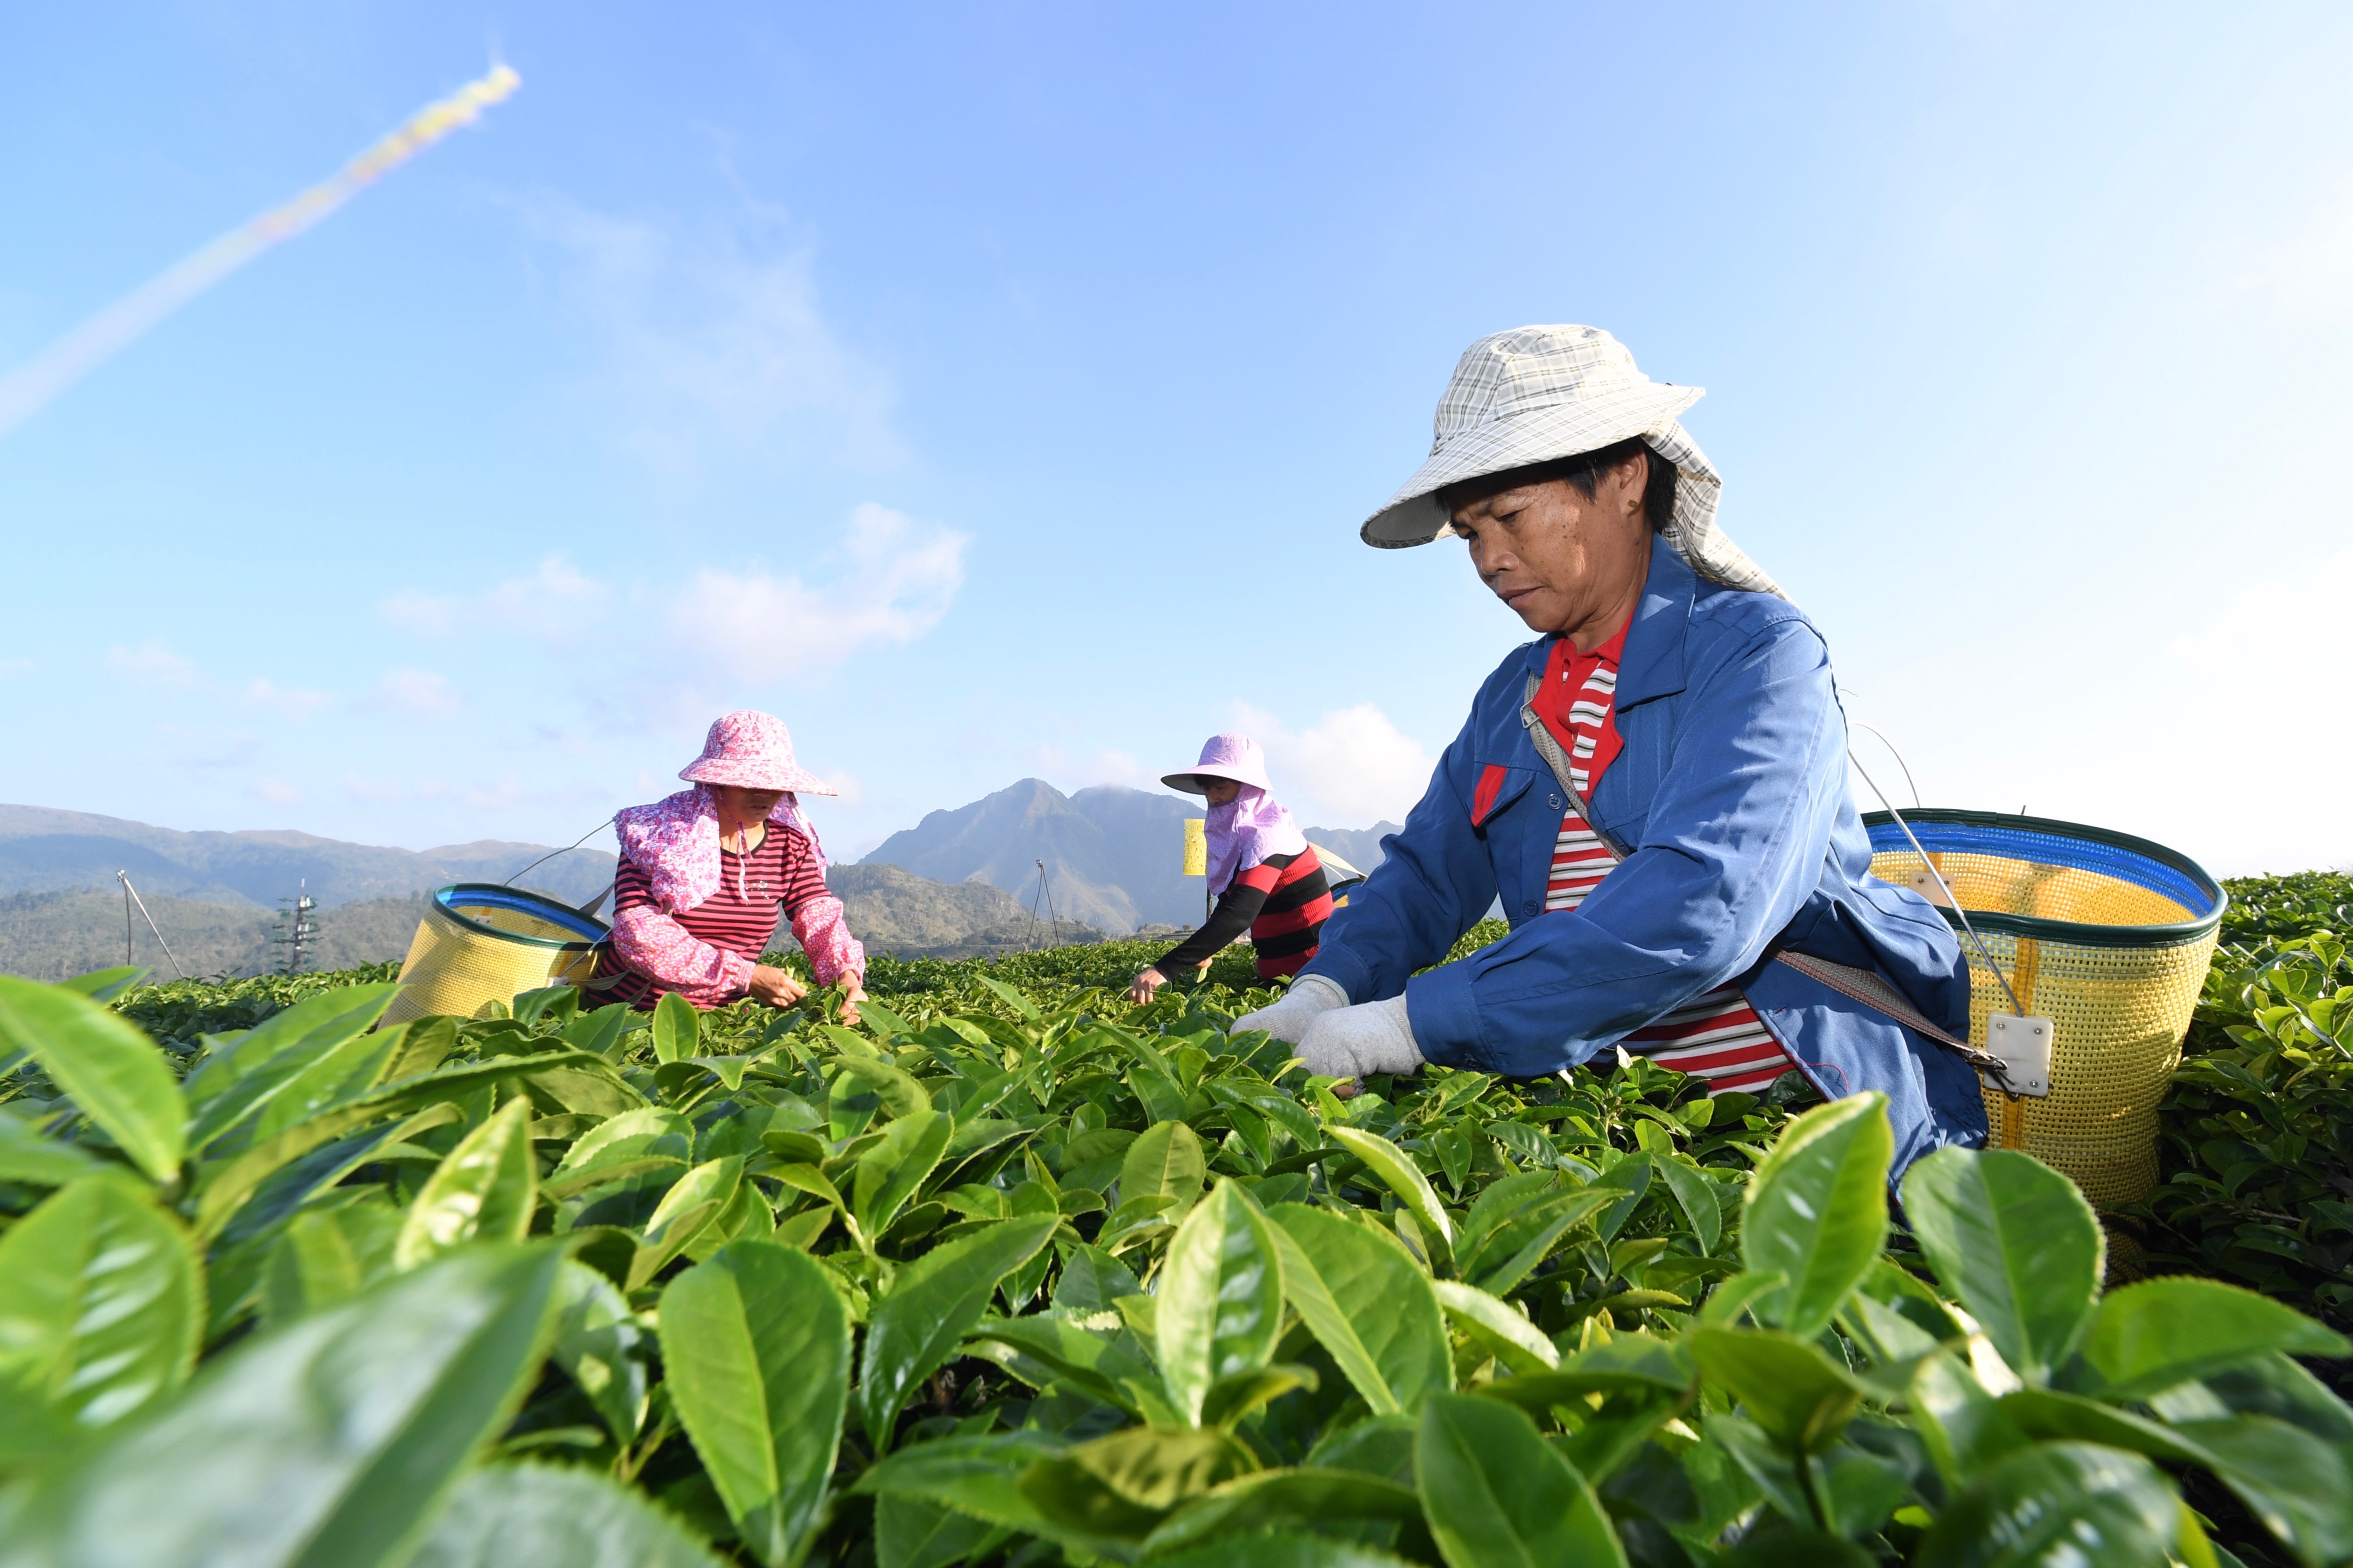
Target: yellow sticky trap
point(1197, 847)
point(2024, 1047)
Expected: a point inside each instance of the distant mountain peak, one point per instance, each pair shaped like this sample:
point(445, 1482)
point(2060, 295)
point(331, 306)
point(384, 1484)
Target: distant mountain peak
point(1113, 855)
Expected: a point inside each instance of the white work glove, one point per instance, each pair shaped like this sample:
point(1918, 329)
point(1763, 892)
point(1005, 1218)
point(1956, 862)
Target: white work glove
point(1373, 1037)
point(1310, 997)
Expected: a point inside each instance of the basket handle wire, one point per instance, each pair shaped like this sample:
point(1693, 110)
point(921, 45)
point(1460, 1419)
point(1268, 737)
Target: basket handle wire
point(1952, 902)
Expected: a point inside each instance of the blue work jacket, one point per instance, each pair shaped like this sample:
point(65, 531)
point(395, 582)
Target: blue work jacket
point(1730, 797)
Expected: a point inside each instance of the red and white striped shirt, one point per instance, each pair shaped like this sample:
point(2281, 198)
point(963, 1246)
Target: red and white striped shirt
point(1716, 1037)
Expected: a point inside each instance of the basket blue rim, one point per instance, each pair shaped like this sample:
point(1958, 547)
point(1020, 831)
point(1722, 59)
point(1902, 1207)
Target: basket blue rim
point(2174, 934)
point(538, 905)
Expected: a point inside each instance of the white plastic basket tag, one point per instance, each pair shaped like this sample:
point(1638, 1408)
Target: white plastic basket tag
point(1925, 883)
point(2025, 1044)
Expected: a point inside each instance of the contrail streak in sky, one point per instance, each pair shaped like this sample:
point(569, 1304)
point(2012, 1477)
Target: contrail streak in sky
point(28, 388)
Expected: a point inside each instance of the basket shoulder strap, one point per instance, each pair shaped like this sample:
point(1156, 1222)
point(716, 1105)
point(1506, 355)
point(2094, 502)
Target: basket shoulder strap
point(1548, 748)
point(1864, 985)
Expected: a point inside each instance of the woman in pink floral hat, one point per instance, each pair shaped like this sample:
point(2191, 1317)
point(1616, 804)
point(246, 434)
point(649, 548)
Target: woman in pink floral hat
point(704, 874)
point(1270, 882)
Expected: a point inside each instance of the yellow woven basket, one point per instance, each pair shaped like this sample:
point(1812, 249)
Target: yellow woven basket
point(2107, 935)
point(480, 942)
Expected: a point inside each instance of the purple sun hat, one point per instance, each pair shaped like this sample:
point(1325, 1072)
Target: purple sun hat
point(1234, 757)
point(752, 750)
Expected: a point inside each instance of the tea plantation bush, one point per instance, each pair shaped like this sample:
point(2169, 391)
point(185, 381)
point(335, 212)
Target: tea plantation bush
point(1015, 1273)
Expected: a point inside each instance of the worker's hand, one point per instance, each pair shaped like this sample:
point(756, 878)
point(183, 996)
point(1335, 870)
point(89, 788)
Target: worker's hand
point(1140, 989)
point(1350, 1042)
point(1308, 997)
point(775, 987)
point(849, 1001)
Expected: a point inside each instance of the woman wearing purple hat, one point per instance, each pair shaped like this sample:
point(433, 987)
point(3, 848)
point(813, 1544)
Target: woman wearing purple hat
point(705, 873)
point(1274, 887)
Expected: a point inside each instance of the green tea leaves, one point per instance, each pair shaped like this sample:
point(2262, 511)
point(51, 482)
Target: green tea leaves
point(118, 1079)
point(1165, 1161)
point(931, 1305)
point(325, 1444)
point(2017, 1243)
point(2058, 1502)
point(1371, 1308)
point(2149, 1336)
point(677, 1029)
point(757, 1348)
point(486, 1187)
point(534, 1516)
point(1221, 1298)
point(1498, 1497)
point(101, 1307)
point(1817, 1211)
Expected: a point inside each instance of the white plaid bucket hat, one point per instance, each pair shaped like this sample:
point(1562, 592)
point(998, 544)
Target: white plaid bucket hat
point(1534, 393)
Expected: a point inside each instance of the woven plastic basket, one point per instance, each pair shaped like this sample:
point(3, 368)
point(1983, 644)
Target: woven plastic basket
point(2107, 935)
point(480, 942)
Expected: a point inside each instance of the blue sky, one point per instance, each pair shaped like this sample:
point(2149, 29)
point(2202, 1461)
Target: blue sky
point(996, 390)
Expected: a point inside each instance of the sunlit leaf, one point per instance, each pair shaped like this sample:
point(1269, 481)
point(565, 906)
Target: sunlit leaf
point(1221, 1296)
point(113, 1073)
point(757, 1348)
point(2016, 1244)
point(101, 1306)
point(325, 1444)
point(1816, 1213)
point(932, 1304)
point(484, 1189)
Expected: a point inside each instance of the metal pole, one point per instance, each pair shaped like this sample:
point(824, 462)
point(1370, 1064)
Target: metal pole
point(124, 877)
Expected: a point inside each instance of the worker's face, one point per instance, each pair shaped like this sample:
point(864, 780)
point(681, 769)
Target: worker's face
point(1562, 561)
point(746, 804)
point(1220, 791)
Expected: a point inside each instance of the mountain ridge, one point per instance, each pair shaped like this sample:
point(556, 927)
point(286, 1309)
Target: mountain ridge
point(1112, 855)
point(47, 849)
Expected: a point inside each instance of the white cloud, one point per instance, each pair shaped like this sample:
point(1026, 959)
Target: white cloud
point(719, 631)
point(755, 626)
point(419, 693)
point(2304, 275)
point(152, 664)
point(709, 338)
point(849, 790)
point(291, 702)
point(1082, 770)
point(1349, 769)
point(204, 750)
point(557, 604)
point(274, 792)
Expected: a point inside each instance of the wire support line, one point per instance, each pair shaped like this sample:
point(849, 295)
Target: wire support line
point(565, 850)
point(1899, 761)
point(130, 895)
point(2016, 1008)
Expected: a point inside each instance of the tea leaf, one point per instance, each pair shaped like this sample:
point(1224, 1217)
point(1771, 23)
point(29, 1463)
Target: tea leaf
point(102, 1308)
point(2058, 1502)
point(534, 1516)
point(2015, 1243)
point(1364, 1301)
point(1498, 1497)
point(677, 1029)
point(109, 1069)
point(1221, 1298)
point(757, 1349)
point(325, 1444)
point(1817, 1211)
point(932, 1304)
point(2158, 1332)
point(485, 1188)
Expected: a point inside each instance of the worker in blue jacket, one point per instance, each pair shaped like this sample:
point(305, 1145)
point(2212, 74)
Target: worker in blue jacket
point(1655, 788)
